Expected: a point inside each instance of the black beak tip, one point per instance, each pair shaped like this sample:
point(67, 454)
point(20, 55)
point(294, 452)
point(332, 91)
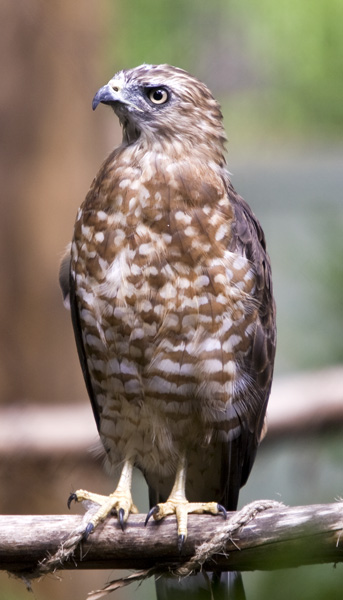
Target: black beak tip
point(96, 101)
point(106, 95)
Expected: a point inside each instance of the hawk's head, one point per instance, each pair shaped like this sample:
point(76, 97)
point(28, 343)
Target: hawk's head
point(165, 104)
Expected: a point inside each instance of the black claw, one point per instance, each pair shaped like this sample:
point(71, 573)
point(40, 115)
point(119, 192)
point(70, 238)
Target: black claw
point(153, 511)
point(221, 509)
point(70, 499)
point(89, 529)
point(180, 541)
point(121, 514)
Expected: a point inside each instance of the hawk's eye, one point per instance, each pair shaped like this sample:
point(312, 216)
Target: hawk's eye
point(158, 95)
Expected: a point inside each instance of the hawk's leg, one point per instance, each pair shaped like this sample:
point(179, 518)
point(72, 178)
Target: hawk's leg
point(178, 504)
point(119, 501)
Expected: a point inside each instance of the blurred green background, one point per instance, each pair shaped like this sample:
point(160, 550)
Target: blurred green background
point(277, 70)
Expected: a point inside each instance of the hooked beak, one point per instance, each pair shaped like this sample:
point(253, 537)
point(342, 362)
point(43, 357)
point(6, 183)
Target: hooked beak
point(107, 94)
point(111, 93)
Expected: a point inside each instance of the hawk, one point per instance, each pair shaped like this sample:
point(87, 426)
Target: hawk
point(170, 292)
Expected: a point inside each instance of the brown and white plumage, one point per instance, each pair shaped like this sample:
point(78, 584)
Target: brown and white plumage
point(171, 293)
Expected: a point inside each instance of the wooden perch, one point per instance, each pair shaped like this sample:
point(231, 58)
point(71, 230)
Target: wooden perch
point(287, 537)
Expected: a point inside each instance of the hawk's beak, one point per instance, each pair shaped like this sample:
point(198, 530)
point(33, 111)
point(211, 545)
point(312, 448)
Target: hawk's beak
point(107, 94)
point(112, 93)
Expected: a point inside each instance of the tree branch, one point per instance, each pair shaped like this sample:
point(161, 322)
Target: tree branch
point(283, 538)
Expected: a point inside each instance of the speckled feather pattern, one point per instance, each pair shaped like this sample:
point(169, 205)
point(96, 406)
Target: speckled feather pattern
point(172, 291)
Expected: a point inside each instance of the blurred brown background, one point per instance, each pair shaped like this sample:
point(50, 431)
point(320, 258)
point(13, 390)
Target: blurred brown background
point(277, 70)
point(51, 61)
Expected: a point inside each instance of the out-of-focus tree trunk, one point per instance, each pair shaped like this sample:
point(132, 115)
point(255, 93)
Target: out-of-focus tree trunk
point(53, 58)
point(51, 62)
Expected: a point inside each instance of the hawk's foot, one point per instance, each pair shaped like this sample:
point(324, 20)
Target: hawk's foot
point(119, 501)
point(182, 508)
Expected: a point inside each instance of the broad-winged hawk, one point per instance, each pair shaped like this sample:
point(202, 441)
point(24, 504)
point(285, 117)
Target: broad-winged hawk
point(171, 299)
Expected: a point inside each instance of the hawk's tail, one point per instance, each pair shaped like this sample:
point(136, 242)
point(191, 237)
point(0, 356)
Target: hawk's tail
point(214, 586)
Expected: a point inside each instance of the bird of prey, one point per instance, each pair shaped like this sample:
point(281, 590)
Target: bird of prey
point(170, 290)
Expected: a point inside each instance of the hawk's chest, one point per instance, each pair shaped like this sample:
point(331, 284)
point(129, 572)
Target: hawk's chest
point(160, 297)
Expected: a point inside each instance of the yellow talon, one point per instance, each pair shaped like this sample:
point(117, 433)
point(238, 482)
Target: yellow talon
point(120, 501)
point(178, 504)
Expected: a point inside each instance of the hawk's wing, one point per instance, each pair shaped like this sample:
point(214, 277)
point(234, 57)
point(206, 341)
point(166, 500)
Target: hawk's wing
point(251, 401)
point(67, 284)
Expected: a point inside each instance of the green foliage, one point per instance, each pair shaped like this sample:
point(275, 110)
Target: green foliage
point(303, 44)
point(281, 61)
point(149, 31)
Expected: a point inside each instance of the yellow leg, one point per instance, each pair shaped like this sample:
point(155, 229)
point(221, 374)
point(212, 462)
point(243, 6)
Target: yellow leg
point(178, 504)
point(120, 500)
